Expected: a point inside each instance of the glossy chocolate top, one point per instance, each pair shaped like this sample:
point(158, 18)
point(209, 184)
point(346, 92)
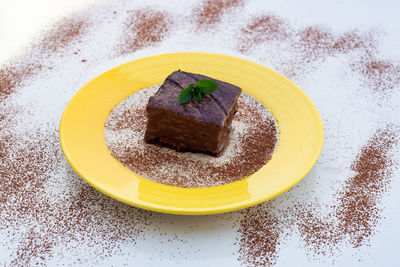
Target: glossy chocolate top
point(213, 108)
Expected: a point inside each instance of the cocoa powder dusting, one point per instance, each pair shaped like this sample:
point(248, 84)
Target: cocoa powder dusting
point(325, 229)
point(252, 142)
point(260, 232)
point(210, 12)
point(381, 75)
point(144, 27)
point(318, 231)
point(59, 36)
point(63, 33)
point(262, 29)
point(311, 44)
point(27, 165)
point(354, 40)
point(314, 42)
point(357, 211)
point(39, 220)
point(13, 76)
point(36, 220)
point(87, 217)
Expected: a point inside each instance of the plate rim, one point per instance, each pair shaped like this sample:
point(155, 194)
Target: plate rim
point(194, 211)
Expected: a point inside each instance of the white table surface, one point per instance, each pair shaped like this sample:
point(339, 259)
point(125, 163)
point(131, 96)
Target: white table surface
point(169, 240)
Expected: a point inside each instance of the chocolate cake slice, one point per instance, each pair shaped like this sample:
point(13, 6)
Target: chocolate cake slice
point(195, 126)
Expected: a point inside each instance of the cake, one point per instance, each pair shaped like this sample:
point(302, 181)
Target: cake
point(197, 126)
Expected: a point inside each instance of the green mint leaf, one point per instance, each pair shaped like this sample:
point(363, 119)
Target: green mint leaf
point(197, 95)
point(206, 86)
point(201, 87)
point(186, 94)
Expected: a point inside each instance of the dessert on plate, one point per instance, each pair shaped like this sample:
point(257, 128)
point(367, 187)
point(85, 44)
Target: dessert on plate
point(192, 112)
point(184, 115)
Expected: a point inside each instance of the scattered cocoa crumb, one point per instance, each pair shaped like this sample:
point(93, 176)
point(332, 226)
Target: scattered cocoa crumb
point(325, 229)
point(89, 218)
point(84, 60)
point(60, 35)
point(39, 223)
point(63, 33)
point(260, 232)
point(210, 12)
point(381, 75)
point(307, 45)
point(34, 220)
point(27, 164)
point(144, 27)
point(13, 76)
point(252, 142)
point(356, 214)
point(28, 161)
point(358, 209)
point(319, 231)
point(262, 29)
point(354, 40)
point(315, 43)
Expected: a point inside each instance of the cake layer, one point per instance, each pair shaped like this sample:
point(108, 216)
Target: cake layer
point(196, 126)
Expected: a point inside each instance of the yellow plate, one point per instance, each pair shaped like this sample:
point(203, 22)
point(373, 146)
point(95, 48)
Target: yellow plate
point(83, 142)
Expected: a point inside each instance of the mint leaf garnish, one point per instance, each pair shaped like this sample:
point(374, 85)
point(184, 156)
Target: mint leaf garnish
point(197, 95)
point(186, 94)
point(200, 88)
point(206, 86)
